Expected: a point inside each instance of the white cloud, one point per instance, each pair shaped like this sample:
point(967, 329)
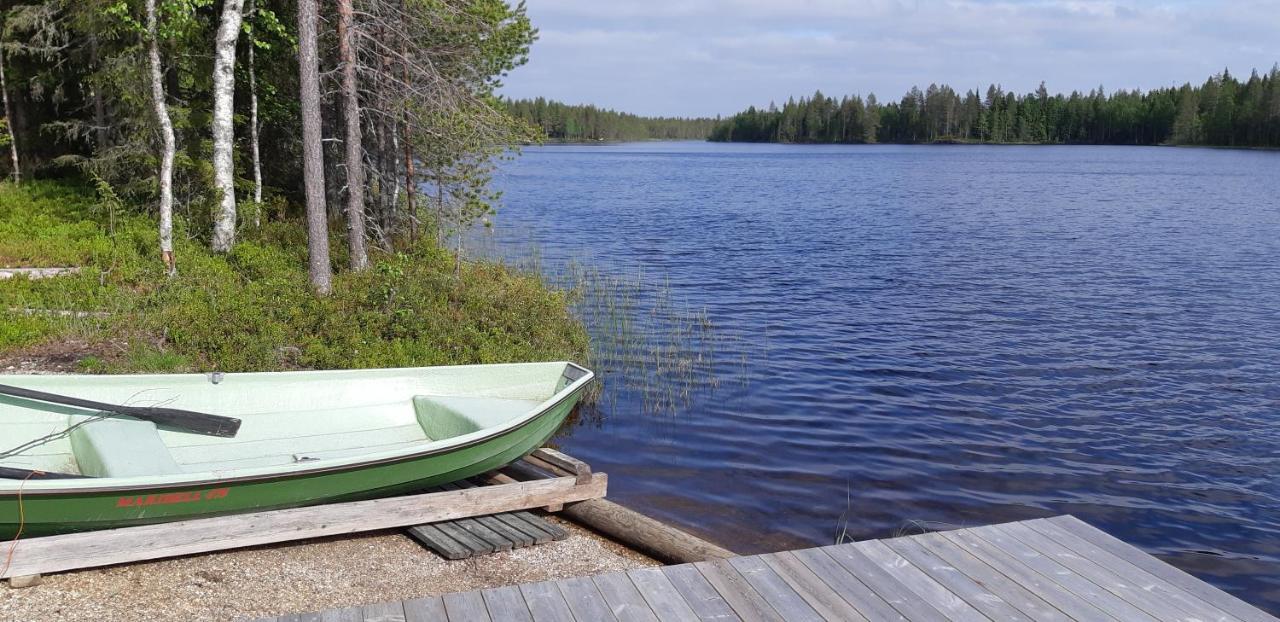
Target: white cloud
point(718, 56)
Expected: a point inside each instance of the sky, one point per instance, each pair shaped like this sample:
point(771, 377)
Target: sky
point(709, 57)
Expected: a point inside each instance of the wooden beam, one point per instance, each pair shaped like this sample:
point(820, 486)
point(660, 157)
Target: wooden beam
point(132, 544)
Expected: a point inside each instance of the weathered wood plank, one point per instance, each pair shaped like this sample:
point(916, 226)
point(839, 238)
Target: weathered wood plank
point(788, 603)
point(545, 602)
point(346, 614)
point(883, 584)
point(466, 607)
point(734, 588)
point(958, 583)
point(1174, 576)
point(517, 538)
point(1110, 603)
point(438, 541)
point(701, 596)
point(624, 599)
point(384, 612)
point(100, 548)
point(565, 463)
point(990, 578)
point(1133, 590)
point(936, 594)
point(1184, 600)
point(849, 587)
point(507, 604)
point(494, 541)
point(585, 600)
point(517, 521)
point(829, 604)
point(664, 599)
point(430, 609)
point(1044, 588)
point(474, 545)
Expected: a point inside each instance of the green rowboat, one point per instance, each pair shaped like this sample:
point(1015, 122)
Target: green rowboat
point(304, 438)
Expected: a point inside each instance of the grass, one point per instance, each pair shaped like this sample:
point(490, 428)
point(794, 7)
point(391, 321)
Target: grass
point(250, 309)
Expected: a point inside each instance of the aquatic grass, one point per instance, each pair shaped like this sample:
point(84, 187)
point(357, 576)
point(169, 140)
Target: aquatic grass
point(644, 340)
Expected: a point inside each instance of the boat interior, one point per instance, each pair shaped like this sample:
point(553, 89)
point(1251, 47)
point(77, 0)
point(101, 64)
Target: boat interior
point(287, 418)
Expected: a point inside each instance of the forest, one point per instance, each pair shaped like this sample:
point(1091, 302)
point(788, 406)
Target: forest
point(228, 112)
point(1224, 111)
point(251, 185)
point(585, 123)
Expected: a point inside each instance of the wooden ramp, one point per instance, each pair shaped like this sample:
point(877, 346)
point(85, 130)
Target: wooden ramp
point(1046, 569)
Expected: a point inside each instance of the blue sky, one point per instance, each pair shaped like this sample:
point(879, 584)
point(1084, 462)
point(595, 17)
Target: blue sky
point(708, 57)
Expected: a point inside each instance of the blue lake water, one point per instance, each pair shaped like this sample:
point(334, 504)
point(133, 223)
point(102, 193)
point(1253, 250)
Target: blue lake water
point(925, 336)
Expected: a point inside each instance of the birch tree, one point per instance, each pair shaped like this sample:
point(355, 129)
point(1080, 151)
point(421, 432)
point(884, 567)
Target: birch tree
point(167, 143)
point(8, 121)
point(312, 153)
point(253, 119)
point(224, 85)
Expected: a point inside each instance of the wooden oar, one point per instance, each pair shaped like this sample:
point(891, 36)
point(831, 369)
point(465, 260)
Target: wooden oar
point(190, 421)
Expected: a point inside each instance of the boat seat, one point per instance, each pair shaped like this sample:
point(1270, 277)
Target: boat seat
point(447, 416)
point(116, 447)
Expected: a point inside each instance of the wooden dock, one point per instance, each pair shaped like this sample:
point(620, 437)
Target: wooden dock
point(1047, 569)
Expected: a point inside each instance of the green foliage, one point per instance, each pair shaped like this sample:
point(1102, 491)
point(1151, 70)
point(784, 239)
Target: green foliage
point(570, 123)
point(1223, 112)
point(251, 310)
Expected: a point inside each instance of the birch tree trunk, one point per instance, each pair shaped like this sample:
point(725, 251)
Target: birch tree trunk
point(253, 129)
point(410, 191)
point(312, 152)
point(224, 87)
point(8, 121)
point(168, 144)
point(359, 256)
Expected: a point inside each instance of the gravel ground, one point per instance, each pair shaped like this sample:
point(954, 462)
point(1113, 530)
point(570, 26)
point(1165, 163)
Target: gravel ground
point(301, 577)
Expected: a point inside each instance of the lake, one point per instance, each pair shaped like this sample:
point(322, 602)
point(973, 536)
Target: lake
point(877, 340)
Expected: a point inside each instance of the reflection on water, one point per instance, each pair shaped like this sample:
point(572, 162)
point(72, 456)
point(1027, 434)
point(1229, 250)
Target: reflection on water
point(924, 336)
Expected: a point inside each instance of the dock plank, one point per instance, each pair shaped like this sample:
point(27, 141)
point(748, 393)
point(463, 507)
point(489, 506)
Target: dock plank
point(624, 599)
point(944, 600)
point(973, 593)
point(734, 588)
point(826, 601)
point(788, 603)
point(429, 609)
point(664, 599)
point(1044, 588)
point(1085, 589)
point(701, 596)
point(346, 614)
point(1185, 600)
point(1174, 576)
point(585, 600)
point(545, 602)
point(888, 587)
point(384, 612)
point(990, 578)
point(507, 604)
point(466, 607)
point(853, 590)
point(1134, 590)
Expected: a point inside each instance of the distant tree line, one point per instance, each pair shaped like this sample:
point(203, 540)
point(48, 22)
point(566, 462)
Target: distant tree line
point(1224, 111)
point(584, 123)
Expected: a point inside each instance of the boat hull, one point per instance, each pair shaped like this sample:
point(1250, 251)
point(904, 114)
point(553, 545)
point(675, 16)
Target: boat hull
point(48, 513)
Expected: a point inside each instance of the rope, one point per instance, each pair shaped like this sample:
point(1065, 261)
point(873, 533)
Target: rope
point(22, 523)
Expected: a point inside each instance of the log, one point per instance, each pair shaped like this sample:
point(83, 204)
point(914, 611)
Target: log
point(629, 527)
